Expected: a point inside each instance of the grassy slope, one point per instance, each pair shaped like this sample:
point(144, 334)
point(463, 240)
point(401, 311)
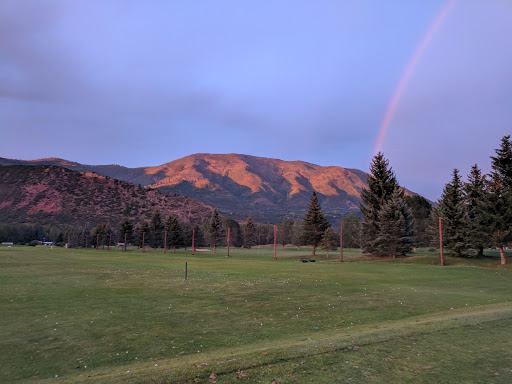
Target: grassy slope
point(248, 312)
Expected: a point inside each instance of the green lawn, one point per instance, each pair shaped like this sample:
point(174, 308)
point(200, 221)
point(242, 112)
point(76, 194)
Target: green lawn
point(108, 316)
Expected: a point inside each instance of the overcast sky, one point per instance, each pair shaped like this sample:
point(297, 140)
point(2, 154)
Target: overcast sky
point(142, 83)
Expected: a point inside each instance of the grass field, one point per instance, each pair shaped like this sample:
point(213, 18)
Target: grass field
point(108, 316)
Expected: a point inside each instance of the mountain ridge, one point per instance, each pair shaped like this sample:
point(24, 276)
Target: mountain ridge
point(241, 185)
point(52, 194)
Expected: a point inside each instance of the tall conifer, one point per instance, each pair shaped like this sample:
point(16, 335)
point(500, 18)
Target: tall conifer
point(502, 162)
point(126, 228)
point(156, 227)
point(497, 207)
point(395, 222)
point(382, 189)
point(174, 233)
point(214, 230)
point(249, 233)
point(453, 213)
point(351, 231)
point(314, 224)
point(474, 194)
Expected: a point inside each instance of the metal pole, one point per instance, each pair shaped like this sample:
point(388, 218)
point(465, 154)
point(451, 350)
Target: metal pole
point(229, 231)
point(193, 236)
point(341, 241)
point(97, 240)
point(125, 242)
point(165, 242)
point(275, 242)
point(441, 241)
point(186, 270)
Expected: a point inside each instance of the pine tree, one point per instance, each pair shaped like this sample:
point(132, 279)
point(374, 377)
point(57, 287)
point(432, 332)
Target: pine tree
point(284, 232)
point(497, 206)
point(433, 228)
point(395, 234)
point(235, 234)
point(297, 234)
point(98, 234)
point(329, 241)
point(502, 162)
point(156, 227)
point(249, 233)
point(382, 188)
point(126, 228)
point(142, 232)
point(174, 235)
point(314, 224)
point(214, 230)
point(453, 213)
point(351, 231)
point(474, 191)
point(421, 210)
point(186, 234)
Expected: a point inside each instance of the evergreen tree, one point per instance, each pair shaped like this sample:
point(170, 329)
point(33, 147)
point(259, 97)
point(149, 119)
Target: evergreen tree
point(236, 239)
point(263, 234)
point(297, 234)
point(214, 230)
point(314, 224)
point(433, 228)
point(395, 234)
point(474, 191)
point(249, 233)
point(421, 210)
point(186, 234)
point(126, 228)
point(98, 235)
point(329, 241)
point(156, 227)
point(497, 206)
point(266, 233)
point(142, 233)
point(351, 231)
point(199, 237)
point(497, 215)
point(502, 163)
point(453, 213)
point(284, 232)
point(174, 234)
point(383, 190)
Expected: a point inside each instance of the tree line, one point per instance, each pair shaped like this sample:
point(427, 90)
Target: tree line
point(478, 213)
point(314, 230)
point(473, 215)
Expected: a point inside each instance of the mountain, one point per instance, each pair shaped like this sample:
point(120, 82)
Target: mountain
point(55, 195)
point(267, 189)
point(242, 185)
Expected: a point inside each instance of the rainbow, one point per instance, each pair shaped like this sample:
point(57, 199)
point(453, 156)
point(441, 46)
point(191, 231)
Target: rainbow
point(405, 77)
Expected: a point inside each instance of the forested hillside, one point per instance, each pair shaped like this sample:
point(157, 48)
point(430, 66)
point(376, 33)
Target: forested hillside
point(46, 194)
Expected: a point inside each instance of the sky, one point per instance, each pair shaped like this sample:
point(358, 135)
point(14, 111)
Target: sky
point(142, 83)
